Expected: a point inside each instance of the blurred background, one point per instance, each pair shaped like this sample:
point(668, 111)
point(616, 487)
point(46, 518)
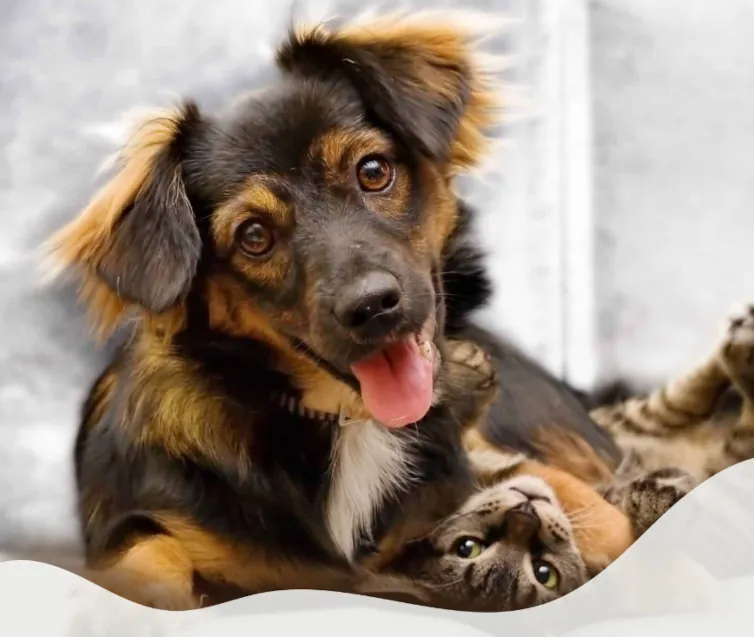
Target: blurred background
point(618, 216)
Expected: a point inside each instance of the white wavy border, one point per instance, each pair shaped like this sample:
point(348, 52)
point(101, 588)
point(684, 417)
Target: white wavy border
point(692, 573)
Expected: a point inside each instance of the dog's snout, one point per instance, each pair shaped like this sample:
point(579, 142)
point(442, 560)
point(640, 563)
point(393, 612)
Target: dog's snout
point(371, 306)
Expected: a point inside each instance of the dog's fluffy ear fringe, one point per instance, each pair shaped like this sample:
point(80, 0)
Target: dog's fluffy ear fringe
point(461, 89)
point(136, 243)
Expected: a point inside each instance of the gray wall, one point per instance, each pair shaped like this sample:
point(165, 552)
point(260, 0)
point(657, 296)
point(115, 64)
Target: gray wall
point(673, 84)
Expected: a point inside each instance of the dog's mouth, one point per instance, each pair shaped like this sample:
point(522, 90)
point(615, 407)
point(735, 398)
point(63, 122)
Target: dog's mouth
point(397, 382)
point(395, 375)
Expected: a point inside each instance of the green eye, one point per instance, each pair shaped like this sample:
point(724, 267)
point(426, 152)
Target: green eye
point(469, 548)
point(545, 574)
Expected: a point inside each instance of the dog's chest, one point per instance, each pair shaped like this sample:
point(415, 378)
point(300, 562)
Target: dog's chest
point(369, 464)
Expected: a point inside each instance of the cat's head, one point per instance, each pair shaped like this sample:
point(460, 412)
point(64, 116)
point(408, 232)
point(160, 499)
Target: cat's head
point(510, 546)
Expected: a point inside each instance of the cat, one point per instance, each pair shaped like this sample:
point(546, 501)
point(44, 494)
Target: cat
point(530, 535)
point(510, 546)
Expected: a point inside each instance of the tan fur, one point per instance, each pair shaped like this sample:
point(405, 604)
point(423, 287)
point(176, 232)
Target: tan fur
point(341, 150)
point(155, 572)
point(159, 571)
point(257, 199)
point(189, 418)
point(680, 425)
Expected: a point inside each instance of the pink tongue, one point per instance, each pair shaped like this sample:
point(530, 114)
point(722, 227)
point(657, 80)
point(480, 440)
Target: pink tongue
point(396, 384)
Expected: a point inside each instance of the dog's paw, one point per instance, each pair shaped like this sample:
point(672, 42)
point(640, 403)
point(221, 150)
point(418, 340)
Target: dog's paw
point(736, 350)
point(164, 597)
point(647, 498)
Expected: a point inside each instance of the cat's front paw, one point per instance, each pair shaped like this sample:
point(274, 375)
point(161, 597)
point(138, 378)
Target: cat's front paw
point(646, 499)
point(469, 382)
point(473, 367)
point(736, 352)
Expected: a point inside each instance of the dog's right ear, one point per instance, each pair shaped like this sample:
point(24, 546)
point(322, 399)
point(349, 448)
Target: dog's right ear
point(420, 75)
point(137, 243)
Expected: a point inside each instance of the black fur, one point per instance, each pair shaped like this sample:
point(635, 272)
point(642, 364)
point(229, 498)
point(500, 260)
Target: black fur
point(389, 80)
point(530, 397)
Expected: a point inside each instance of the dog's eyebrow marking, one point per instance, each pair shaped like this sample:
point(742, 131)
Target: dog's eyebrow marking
point(267, 199)
point(256, 197)
point(340, 147)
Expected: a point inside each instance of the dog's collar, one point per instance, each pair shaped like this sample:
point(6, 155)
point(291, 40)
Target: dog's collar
point(294, 406)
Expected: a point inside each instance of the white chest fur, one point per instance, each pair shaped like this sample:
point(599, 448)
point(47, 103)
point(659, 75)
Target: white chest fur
point(369, 463)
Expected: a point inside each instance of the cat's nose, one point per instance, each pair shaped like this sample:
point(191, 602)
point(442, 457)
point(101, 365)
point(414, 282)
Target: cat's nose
point(522, 523)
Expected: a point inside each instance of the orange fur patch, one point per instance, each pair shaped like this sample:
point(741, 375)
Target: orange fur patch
point(602, 532)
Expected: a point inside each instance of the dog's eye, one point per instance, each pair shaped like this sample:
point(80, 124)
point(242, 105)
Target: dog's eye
point(469, 548)
point(255, 238)
point(375, 173)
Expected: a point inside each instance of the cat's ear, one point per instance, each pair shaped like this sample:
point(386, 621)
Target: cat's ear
point(420, 78)
point(137, 243)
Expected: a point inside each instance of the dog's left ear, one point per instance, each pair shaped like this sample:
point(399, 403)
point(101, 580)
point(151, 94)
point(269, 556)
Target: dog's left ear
point(136, 246)
point(419, 78)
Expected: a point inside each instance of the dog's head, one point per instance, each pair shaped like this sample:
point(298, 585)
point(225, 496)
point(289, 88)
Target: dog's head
point(312, 215)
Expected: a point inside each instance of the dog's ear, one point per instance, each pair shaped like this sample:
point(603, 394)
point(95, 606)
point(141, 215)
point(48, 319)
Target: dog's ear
point(137, 242)
point(418, 77)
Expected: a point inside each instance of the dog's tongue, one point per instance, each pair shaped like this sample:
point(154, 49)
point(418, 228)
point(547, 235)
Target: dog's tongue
point(397, 383)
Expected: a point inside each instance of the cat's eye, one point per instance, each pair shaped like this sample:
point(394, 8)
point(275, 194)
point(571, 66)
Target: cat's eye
point(546, 574)
point(375, 173)
point(255, 238)
point(469, 548)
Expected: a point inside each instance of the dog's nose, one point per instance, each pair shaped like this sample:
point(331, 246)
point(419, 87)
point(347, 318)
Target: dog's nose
point(371, 306)
point(521, 523)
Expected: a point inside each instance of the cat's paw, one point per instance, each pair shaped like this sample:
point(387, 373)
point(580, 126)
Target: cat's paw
point(473, 363)
point(647, 498)
point(736, 352)
point(469, 382)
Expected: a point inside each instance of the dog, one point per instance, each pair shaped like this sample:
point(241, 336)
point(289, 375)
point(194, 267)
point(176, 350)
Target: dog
point(293, 269)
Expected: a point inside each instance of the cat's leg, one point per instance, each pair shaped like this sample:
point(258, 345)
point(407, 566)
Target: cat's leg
point(687, 400)
point(736, 356)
